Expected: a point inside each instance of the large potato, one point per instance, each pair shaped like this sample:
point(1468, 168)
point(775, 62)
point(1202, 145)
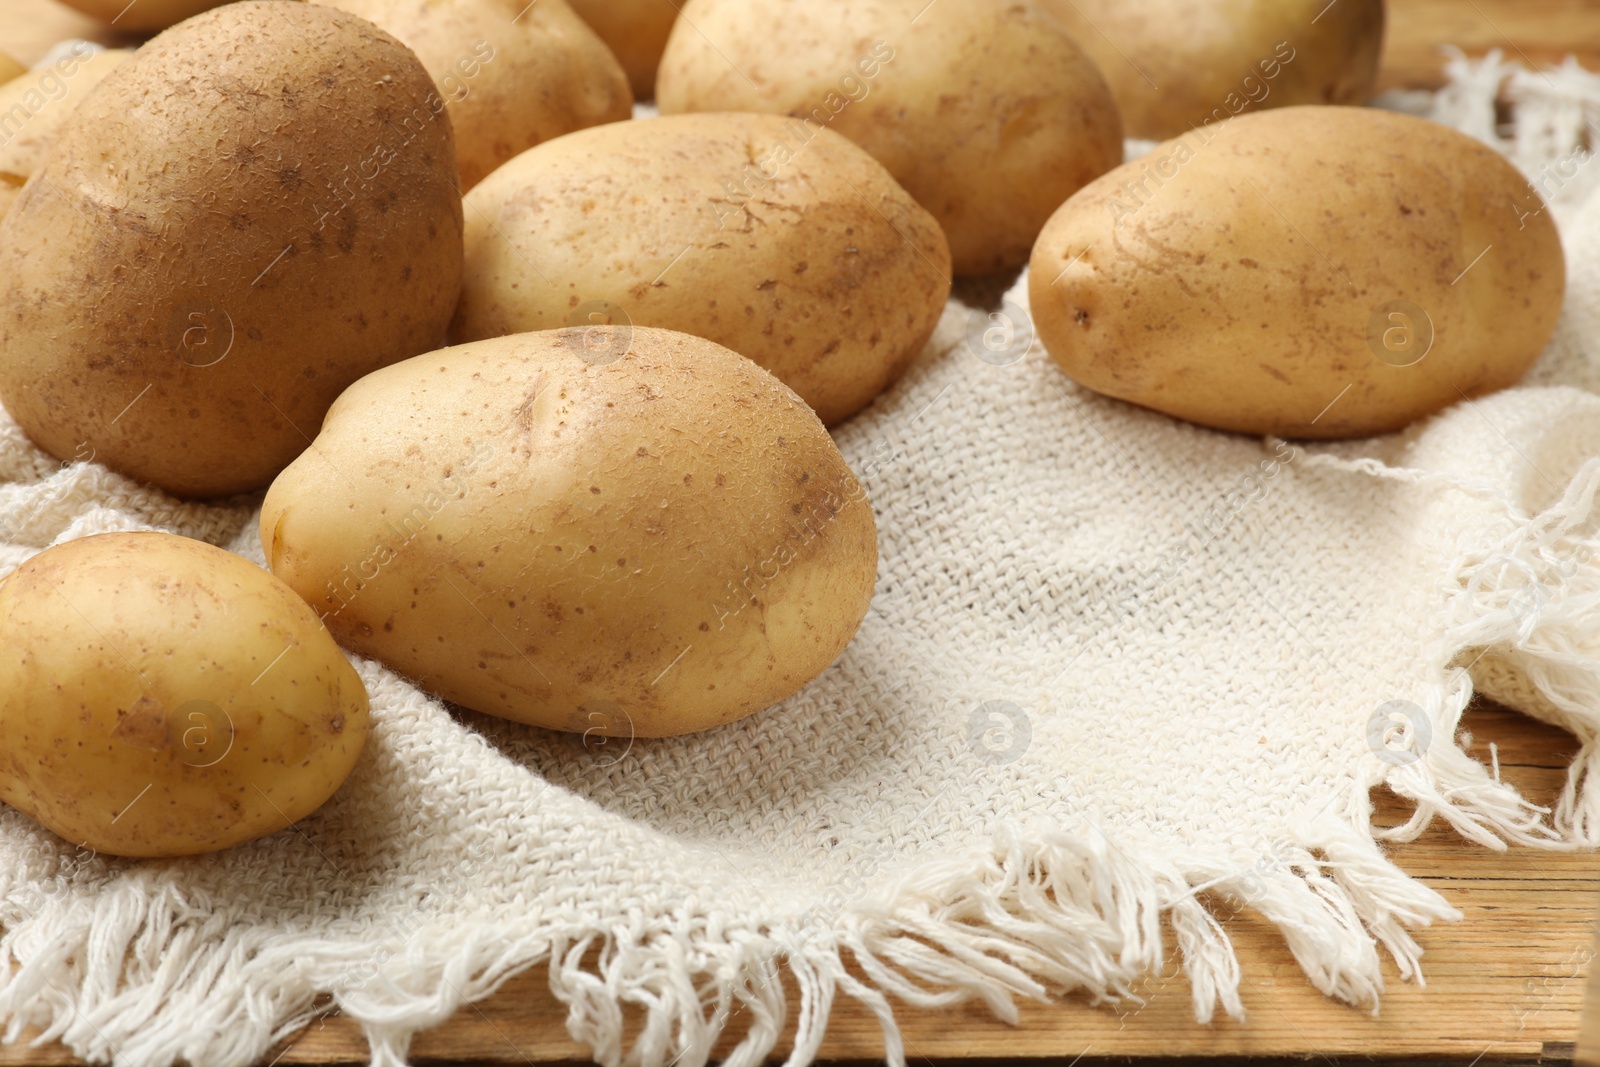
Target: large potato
point(988, 114)
point(161, 697)
point(33, 107)
point(606, 530)
point(1307, 272)
point(143, 15)
point(788, 245)
point(635, 31)
point(1175, 64)
point(512, 74)
point(256, 210)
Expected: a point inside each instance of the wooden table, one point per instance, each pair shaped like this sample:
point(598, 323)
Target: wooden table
point(1504, 986)
point(1538, 32)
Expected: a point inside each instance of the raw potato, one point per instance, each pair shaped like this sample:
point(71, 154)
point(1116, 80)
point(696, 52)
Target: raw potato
point(511, 81)
point(145, 16)
point(988, 114)
point(1308, 272)
point(636, 32)
point(161, 697)
point(206, 260)
point(790, 246)
point(1175, 64)
point(609, 531)
point(33, 107)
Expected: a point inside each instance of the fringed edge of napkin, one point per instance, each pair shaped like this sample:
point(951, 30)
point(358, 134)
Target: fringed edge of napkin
point(147, 976)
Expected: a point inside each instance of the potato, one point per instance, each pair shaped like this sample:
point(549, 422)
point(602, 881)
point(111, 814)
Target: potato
point(161, 697)
point(143, 15)
point(606, 530)
point(510, 80)
point(635, 31)
point(253, 212)
point(989, 118)
point(1174, 64)
point(33, 107)
point(1307, 272)
point(10, 69)
point(785, 243)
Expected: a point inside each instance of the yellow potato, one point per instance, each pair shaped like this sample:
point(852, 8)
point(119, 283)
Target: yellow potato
point(33, 107)
point(512, 74)
point(605, 530)
point(1174, 64)
point(161, 697)
point(785, 243)
point(253, 212)
point(143, 16)
point(635, 31)
point(990, 118)
point(1307, 272)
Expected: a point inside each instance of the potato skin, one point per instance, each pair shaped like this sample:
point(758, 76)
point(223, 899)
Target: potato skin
point(510, 80)
point(162, 697)
point(202, 265)
point(1250, 283)
point(545, 529)
point(146, 16)
point(636, 31)
point(988, 114)
point(1173, 64)
point(827, 274)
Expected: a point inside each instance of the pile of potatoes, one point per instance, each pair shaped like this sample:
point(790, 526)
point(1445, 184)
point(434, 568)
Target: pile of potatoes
point(539, 394)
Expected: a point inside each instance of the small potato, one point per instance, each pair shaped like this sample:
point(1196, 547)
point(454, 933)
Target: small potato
point(143, 16)
point(989, 115)
point(636, 32)
point(1309, 272)
point(780, 240)
point(161, 697)
point(512, 74)
point(33, 106)
point(1174, 64)
point(607, 531)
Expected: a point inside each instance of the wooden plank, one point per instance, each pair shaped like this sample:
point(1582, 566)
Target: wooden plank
point(1538, 32)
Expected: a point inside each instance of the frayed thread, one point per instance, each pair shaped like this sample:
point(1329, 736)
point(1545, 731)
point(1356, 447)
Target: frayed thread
point(1037, 915)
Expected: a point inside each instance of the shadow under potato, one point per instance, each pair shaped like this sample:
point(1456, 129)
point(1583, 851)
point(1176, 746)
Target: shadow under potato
point(985, 292)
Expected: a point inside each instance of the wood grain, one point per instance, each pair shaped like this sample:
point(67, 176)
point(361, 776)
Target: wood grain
point(1538, 32)
point(1504, 986)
